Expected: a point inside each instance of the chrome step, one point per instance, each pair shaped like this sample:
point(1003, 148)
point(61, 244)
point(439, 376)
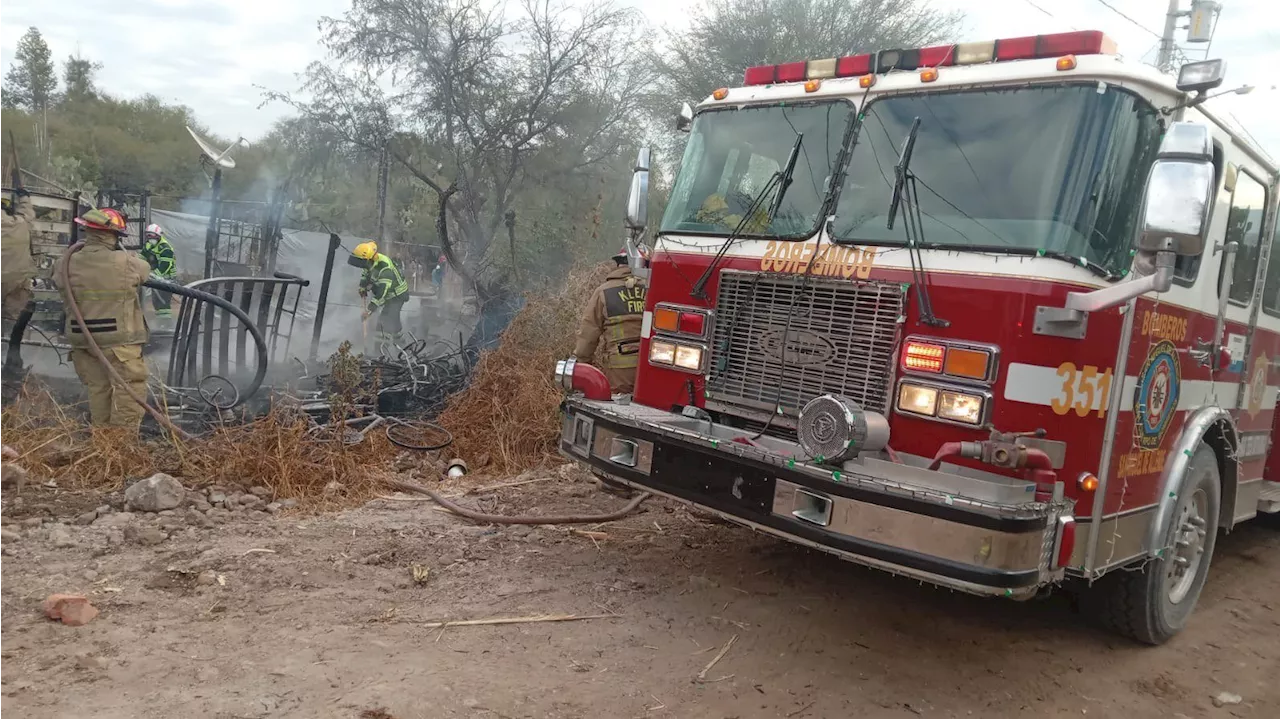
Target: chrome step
point(1269, 498)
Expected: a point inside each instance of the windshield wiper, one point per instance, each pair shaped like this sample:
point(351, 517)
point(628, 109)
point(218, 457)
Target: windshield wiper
point(906, 193)
point(781, 180)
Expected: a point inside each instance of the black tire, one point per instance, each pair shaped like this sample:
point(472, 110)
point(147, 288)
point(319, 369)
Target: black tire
point(1139, 602)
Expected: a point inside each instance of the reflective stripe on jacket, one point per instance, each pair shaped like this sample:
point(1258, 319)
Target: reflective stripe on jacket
point(383, 281)
point(160, 256)
point(105, 280)
point(615, 312)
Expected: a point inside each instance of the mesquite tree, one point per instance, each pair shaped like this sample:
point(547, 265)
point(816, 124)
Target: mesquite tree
point(480, 101)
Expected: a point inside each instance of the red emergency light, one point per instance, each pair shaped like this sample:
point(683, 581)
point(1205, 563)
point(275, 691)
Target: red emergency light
point(1085, 42)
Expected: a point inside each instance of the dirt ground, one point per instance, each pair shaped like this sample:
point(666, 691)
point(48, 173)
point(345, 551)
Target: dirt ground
point(320, 616)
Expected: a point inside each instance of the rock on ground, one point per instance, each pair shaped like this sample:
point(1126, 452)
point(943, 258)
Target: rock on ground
point(72, 610)
point(155, 493)
point(13, 475)
point(61, 537)
point(1224, 699)
point(146, 536)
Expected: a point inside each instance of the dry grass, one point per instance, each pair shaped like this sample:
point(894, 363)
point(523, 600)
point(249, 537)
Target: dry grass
point(273, 451)
point(510, 411)
point(509, 414)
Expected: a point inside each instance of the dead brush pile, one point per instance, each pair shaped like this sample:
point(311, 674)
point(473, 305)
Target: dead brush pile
point(509, 414)
point(510, 410)
point(277, 451)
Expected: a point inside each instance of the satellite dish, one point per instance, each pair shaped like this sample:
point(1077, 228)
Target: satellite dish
point(221, 159)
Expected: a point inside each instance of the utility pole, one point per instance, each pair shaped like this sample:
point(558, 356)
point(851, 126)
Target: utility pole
point(1167, 42)
point(384, 169)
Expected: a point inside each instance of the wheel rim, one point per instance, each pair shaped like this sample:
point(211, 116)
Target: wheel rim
point(1183, 563)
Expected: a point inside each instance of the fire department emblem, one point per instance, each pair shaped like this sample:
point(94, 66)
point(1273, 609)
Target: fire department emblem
point(1159, 385)
point(1258, 384)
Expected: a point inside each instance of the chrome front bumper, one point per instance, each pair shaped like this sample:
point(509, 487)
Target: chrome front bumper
point(981, 533)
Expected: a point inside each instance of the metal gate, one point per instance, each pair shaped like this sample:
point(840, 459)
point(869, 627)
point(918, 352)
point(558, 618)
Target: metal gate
point(208, 340)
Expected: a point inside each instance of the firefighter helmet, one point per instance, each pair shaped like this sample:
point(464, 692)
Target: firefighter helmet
point(154, 230)
point(107, 219)
point(362, 256)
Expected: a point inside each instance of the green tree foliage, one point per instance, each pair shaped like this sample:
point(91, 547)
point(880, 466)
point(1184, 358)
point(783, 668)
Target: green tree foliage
point(78, 77)
point(32, 81)
point(95, 141)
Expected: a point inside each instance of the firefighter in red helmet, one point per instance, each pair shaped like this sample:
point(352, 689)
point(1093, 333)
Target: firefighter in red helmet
point(615, 312)
point(105, 281)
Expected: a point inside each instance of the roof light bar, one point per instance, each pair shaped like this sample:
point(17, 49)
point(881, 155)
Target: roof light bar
point(853, 66)
point(1086, 42)
point(760, 75)
point(791, 71)
point(821, 69)
point(971, 53)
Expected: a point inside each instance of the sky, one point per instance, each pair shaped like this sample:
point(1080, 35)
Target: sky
point(214, 56)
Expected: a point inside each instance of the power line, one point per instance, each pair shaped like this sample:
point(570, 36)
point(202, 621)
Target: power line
point(1116, 10)
point(1046, 12)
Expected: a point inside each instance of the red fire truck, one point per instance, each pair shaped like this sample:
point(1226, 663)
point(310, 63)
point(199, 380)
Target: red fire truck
point(994, 315)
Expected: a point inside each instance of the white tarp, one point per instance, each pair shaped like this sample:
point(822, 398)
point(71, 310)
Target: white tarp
point(301, 253)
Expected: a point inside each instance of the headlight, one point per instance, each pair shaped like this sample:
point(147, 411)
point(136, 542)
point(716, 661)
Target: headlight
point(918, 400)
point(960, 407)
point(662, 352)
point(687, 357)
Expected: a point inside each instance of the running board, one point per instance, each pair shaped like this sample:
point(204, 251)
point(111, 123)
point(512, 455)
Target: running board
point(1269, 498)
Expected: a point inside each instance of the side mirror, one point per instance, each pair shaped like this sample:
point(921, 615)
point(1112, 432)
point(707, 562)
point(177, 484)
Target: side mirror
point(1179, 192)
point(684, 119)
point(1201, 76)
point(638, 197)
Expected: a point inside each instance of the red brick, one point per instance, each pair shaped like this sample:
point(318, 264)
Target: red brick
point(73, 610)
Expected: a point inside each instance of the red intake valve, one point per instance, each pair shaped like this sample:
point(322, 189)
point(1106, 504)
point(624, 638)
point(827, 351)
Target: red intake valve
point(1035, 464)
point(575, 376)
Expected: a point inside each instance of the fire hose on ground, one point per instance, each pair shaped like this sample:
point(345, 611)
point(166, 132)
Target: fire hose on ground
point(483, 518)
point(64, 279)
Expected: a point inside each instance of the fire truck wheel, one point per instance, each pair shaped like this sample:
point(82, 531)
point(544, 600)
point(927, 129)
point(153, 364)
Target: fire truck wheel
point(1152, 603)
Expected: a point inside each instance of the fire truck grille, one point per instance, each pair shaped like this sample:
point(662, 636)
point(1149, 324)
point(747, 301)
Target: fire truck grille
point(841, 340)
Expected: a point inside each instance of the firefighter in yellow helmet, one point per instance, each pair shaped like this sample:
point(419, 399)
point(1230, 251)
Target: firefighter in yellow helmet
point(105, 280)
point(17, 268)
point(615, 312)
point(715, 211)
point(383, 288)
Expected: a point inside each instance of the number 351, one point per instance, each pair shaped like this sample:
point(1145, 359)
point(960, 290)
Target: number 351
point(1082, 389)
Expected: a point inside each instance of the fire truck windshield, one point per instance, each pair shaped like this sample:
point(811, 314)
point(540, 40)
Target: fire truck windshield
point(733, 153)
point(1057, 170)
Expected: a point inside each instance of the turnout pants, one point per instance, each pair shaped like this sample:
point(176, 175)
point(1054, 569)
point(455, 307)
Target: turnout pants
point(109, 404)
point(162, 301)
point(389, 324)
point(18, 300)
